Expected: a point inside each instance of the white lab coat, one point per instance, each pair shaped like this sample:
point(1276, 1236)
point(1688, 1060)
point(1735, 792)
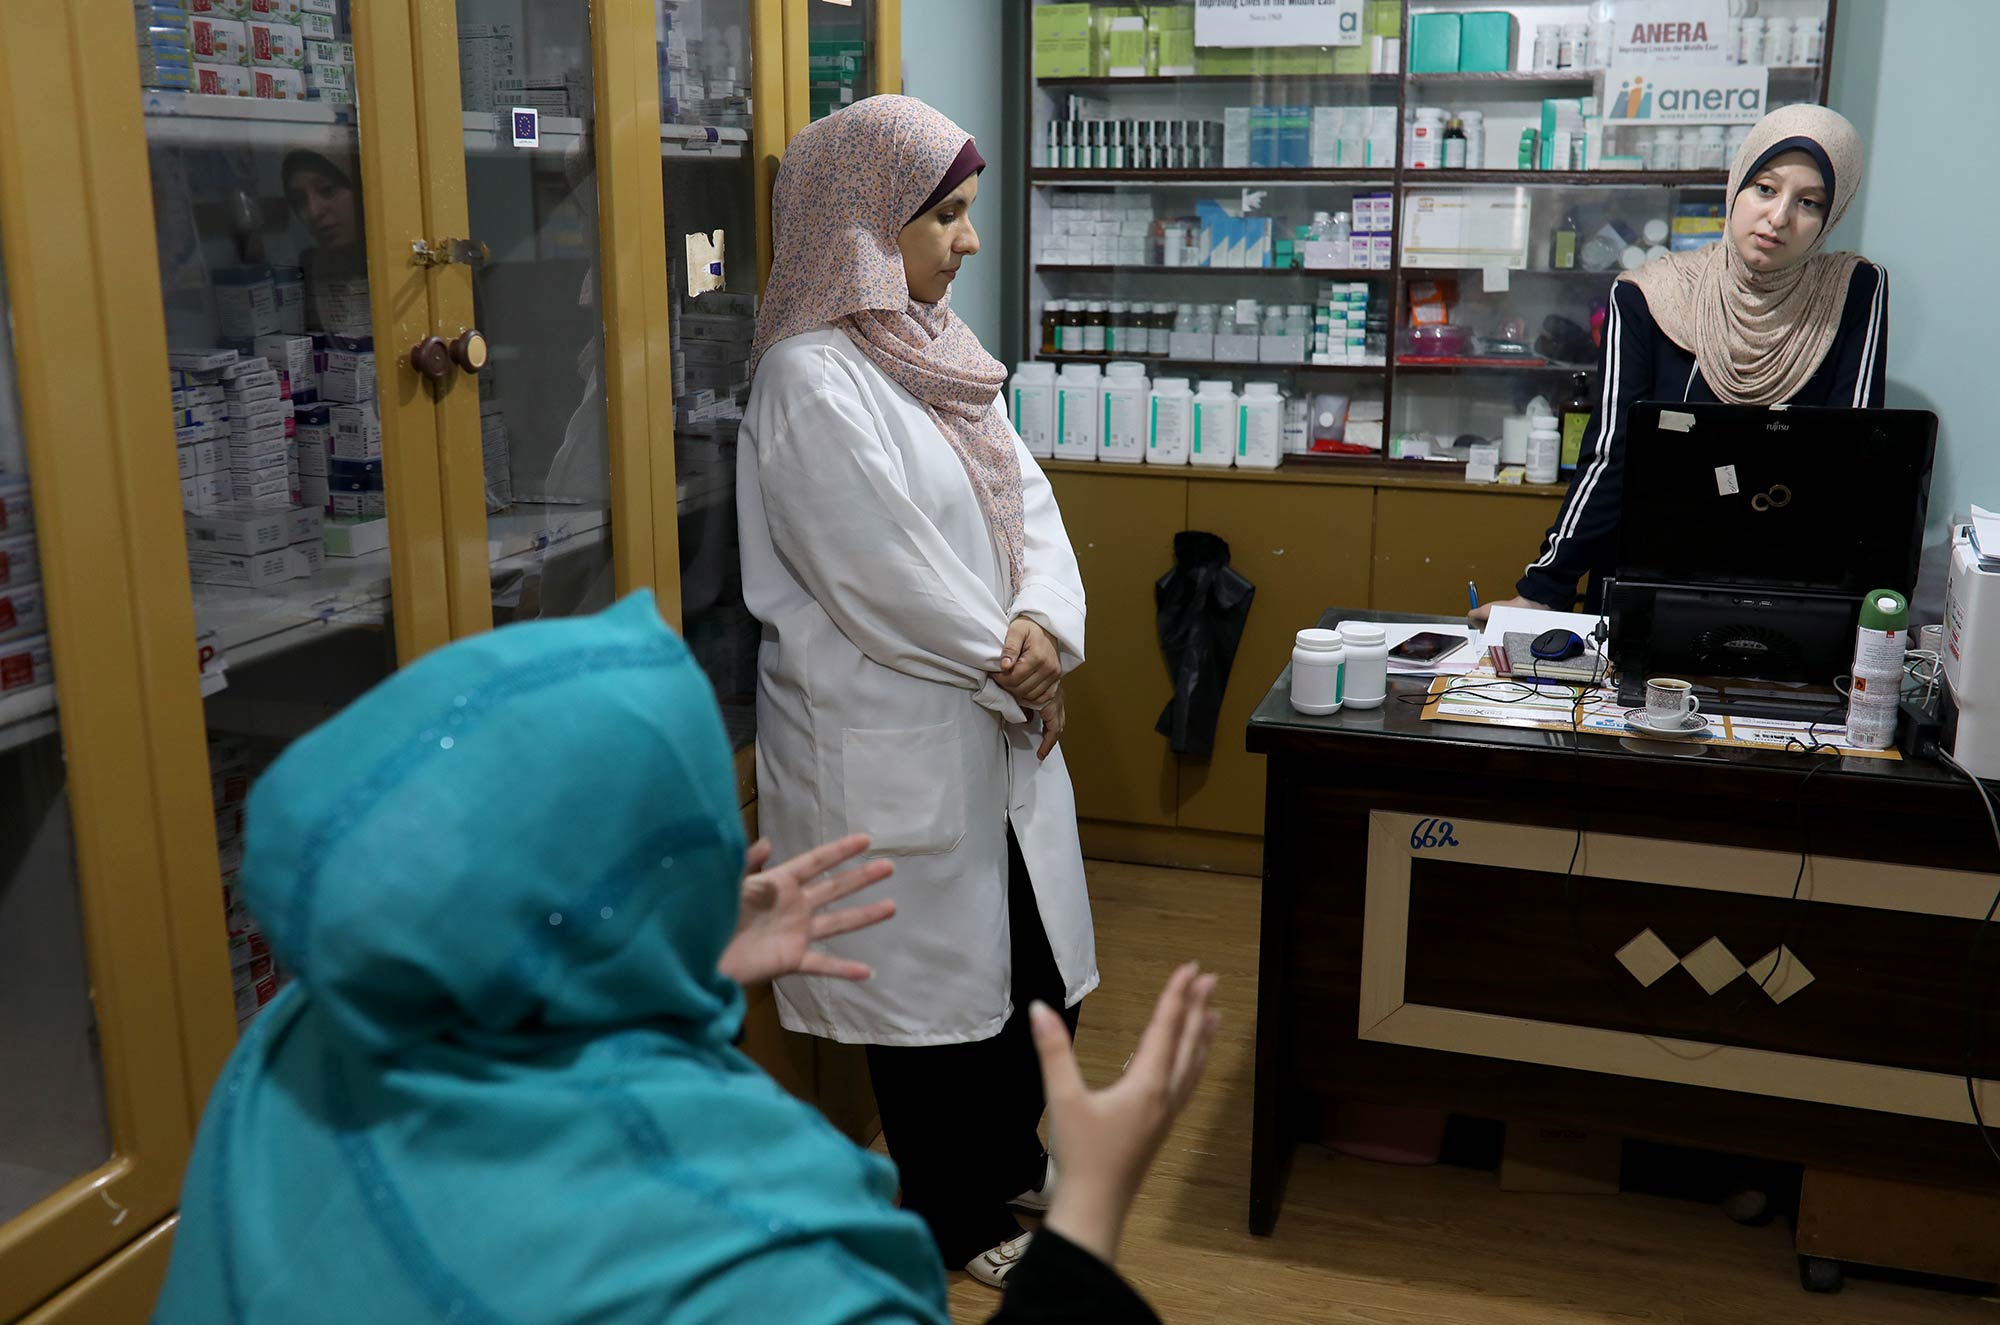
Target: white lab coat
point(884, 598)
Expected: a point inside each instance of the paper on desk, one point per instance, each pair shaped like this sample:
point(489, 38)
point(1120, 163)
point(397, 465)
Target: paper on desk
point(1533, 621)
point(1985, 533)
point(1456, 663)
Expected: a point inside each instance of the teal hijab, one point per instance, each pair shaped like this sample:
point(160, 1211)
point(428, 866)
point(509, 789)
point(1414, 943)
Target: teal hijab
point(502, 1088)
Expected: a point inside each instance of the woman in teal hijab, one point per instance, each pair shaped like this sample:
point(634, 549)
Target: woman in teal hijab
point(502, 1087)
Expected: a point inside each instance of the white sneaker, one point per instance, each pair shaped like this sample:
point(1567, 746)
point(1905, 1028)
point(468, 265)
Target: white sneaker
point(1036, 1199)
point(993, 1266)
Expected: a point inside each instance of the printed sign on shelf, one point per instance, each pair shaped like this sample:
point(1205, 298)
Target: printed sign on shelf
point(527, 126)
point(1277, 22)
point(1687, 94)
point(1671, 32)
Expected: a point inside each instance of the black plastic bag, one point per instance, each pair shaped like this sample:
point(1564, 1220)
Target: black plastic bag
point(1202, 606)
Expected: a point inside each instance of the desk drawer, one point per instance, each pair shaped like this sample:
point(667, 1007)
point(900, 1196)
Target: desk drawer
point(1673, 961)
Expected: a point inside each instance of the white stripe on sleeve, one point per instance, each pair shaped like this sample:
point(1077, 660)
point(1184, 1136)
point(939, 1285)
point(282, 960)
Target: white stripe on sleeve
point(1614, 361)
point(1872, 346)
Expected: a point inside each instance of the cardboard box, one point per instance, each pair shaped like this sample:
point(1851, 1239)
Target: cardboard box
point(317, 26)
point(218, 41)
point(22, 611)
point(278, 84)
point(20, 561)
point(1434, 43)
point(1486, 42)
point(356, 538)
point(238, 531)
point(216, 8)
point(356, 432)
point(26, 663)
point(222, 80)
point(1471, 227)
point(348, 374)
point(275, 44)
point(17, 512)
point(329, 9)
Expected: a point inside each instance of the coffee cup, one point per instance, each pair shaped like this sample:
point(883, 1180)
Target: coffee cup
point(1670, 703)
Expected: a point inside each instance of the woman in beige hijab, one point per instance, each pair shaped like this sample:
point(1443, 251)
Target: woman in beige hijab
point(1764, 317)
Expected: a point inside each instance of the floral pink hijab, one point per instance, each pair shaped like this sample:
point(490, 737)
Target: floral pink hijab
point(848, 185)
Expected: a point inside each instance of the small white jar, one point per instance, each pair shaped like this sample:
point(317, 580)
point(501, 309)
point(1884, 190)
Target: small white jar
point(1366, 682)
point(1319, 671)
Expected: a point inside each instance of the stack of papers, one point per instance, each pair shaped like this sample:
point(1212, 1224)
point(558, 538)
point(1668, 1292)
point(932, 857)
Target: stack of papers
point(1986, 538)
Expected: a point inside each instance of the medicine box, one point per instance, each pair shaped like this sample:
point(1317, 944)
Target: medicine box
point(200, 458)
point(275, 490)
point(276, 44)
point(200, 361)
point(292, 355)
point(238, 531)
point(278, 84)
point(347, 376)
point(218, 41)
point(351, 475)
point(356, 538)
point(328, 8)
point(1486, 42)
point(22, 611)
point(26, 663)
point(329, 78)
point(356, 432)
point(314, 490)
point(312, 554)
point(260, 571)
point(1434, 42)
point(316, 26)
point(216, 8)
point(17, 513)
point(285, 11)
point(20, 561)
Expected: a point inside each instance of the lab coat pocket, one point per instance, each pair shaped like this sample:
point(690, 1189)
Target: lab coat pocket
point(905, 788)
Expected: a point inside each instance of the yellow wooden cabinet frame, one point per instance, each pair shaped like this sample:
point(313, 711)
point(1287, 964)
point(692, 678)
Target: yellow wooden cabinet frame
point(120, 616)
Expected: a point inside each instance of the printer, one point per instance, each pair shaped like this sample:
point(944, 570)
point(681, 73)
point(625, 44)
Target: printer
point(1971, 709)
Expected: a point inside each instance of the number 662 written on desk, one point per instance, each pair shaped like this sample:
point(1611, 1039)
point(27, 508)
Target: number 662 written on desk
point(1430, 834)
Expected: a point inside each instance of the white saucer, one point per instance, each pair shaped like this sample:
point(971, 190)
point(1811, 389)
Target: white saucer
point(1694, 728)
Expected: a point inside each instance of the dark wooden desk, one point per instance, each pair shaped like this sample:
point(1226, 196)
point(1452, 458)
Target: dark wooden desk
point(1476, 971)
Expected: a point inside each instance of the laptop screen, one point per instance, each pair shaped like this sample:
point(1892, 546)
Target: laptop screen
point(1826, 499)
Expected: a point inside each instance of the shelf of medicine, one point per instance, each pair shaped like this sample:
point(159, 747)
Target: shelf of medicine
point(1525, 79)
point(560, 134)
point(1374, 369)
point(1155, 269)
point(1428, 179)
point(250, 624)
point(1475, 273)
point(1493, 366)
point(27, 716)
point(1228, 80)
point(191, 119)
point(1251, 175)
point(528, 527)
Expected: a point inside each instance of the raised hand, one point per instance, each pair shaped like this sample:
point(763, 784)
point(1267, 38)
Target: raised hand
point(781, 913)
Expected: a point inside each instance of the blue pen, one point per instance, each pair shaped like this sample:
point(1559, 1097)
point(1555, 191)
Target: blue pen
point(1472, 592)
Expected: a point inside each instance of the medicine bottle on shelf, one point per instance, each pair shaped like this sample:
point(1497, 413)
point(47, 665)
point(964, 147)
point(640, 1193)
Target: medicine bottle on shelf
point(1576, 409)
point(1213, 445)
point(1160, 334)
point(1076, 411)
point(1169, 422)
point(1051, 326)
point(1562, 248)
point(1454, 144)
point(1072, 326)
point(1032, 407)
point(1259, 425)
point(1114, 327)
point(1122, 428)
point(1094, 321)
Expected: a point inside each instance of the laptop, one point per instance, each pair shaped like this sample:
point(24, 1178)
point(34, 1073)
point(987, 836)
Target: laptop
point(1832, 500)
point(1747, 538)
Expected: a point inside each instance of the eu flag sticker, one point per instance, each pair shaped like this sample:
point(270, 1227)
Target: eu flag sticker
point(527, 126)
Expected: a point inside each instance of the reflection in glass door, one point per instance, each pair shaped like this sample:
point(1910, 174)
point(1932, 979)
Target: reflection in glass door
point(529, 104)
point(52, 1113)
point(708, 174)
point(840, 53)
point(257, 196)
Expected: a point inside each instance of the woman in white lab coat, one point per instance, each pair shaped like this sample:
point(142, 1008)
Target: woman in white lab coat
point(920, 603)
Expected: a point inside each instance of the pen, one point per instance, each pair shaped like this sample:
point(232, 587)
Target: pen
point(1472, 592)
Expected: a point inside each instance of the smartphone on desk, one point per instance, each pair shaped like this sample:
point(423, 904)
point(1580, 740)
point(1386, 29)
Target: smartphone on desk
point(1426, 648)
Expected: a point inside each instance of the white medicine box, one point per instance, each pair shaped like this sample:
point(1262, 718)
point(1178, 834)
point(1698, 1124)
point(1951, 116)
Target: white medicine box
point(1473, 227)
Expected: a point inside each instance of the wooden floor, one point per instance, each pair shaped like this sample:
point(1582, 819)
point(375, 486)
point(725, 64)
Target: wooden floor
point(1359, 1242)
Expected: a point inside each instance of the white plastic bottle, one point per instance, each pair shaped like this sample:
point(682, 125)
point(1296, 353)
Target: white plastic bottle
point(1544, 453)
point(1076, 411)
point(1213, 442)
point(1297, 436)
point(1319, 665)
point(1122, 425)
point(1475, 138)
point(1260, 420)
point(1425, 148)
point(1170, 422)
point(1367, 681)
point(1031, 400)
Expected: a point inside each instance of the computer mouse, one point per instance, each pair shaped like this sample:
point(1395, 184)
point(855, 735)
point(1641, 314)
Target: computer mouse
point(1556, 645)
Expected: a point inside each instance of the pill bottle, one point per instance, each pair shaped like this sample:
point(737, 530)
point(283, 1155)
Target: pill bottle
point(1213, 445)
point(1169, 422)
point(1367, 679)
point(1319, 663)
point(1122, 427)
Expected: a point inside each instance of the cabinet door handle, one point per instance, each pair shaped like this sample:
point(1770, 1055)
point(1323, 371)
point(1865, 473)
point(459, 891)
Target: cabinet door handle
point(431, 357)
point(469, 350)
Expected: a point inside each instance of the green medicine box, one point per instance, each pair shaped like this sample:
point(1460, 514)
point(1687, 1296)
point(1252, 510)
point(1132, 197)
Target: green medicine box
point(1066, 42)
point(1434, 43)
point(1486, 42)
point(1382, 18)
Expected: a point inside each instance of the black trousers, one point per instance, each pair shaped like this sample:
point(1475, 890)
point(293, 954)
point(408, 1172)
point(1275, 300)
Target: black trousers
point(961, 1119)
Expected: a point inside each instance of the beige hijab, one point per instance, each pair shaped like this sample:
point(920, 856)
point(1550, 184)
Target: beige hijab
point(1758, 337)
point(848, 185)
